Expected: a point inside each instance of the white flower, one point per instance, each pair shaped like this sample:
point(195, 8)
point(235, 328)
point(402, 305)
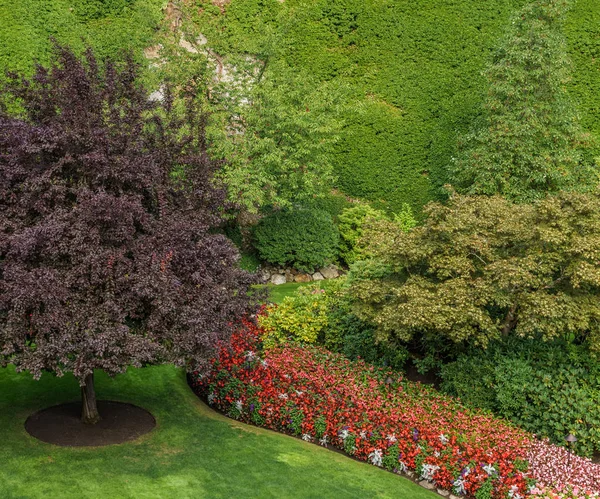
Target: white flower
point(428, 471)
point(459, 486)
point(513, 494)
point(323, 441)
point(298, 392)
point(489, 469)
point(250, 356)
point(307, 438)
point(402, 467)
point(264, 363)
point(363, 434)
point(444, 439)
point(211, 398)
point(437, 453)
point(376, 457)
point(238, 405)
point(391, 439)
point(283, 395)
point(343, 434)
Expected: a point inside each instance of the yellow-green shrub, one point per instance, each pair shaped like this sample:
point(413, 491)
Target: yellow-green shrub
point(303, 317)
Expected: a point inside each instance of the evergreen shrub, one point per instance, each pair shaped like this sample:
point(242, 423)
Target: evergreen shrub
point(305, 239)
point(550, 389)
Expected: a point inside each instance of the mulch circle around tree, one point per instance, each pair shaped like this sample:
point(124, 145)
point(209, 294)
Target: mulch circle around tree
point(61, 425)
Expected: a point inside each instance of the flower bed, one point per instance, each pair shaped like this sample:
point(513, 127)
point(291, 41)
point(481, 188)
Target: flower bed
point(375, 416)
point(568, 474)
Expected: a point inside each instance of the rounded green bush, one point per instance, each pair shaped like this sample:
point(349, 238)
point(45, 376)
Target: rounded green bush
point(305, 239)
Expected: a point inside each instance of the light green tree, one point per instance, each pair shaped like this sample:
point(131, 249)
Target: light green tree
point(275, 132)
point(483, 267)
point(272, 125)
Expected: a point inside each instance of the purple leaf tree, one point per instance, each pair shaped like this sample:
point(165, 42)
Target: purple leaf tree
point(109, 253)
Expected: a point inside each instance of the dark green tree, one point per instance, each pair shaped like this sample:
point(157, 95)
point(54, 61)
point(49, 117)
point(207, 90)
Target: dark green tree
point(529, 141)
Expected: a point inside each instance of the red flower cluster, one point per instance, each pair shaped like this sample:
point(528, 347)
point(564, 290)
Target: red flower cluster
point(370, 413)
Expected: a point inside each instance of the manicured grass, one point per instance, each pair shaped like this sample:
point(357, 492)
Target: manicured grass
point(192, 453)
point(276, 294)
point(279, 292)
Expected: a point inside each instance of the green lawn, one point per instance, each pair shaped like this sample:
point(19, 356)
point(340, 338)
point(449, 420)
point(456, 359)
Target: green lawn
point(276, 294)
point(279, 292)
point(193, 452)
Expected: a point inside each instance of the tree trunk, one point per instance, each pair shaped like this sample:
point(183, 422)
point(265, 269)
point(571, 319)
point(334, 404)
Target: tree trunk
point(246, 221)
point(89, 409)
point(510, 321)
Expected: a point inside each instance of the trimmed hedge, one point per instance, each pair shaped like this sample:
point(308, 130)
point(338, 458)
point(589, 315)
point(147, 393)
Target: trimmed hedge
point(305, 239)
point(412, 68)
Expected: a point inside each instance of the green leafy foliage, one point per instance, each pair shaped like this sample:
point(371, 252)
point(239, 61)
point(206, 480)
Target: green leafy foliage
point(321, 313)
point(275, 128)
point(355, 220)
point(528, 142)
point(333, 203)
point(582, 28)
point(411, 74)
point(272, 126)
point(482, 267)
point(550, 389)
point(249, 262)
point(304, 316)
point(358, 340)
point(486, 490)
point(110, 27)
point(305, 239)
point(458, 379)
point(413, 70)
point(352, 222)
point(98, 9)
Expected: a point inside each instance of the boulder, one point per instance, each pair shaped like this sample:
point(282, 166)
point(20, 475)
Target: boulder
point(426, 484)
point(330, 272)
point(303, 278)
point(317, 276)
point(278, 279)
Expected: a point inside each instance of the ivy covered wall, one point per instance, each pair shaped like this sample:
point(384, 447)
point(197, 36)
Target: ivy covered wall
point(412, 70)
point(111, 27)
point(583, 34)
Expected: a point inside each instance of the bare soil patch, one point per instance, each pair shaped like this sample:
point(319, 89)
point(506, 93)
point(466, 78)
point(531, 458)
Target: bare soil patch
point(61, 425)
